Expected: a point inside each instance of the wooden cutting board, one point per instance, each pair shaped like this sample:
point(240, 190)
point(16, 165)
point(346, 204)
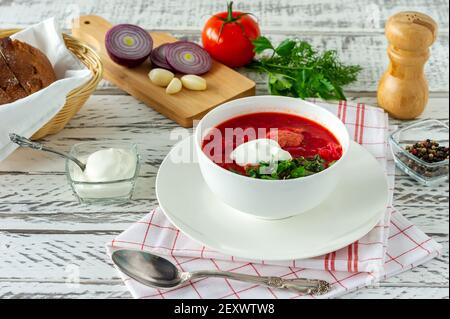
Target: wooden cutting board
point(224, 84)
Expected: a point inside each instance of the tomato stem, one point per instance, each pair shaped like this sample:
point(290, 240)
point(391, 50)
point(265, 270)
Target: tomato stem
point(231, 19)
point(230, 12)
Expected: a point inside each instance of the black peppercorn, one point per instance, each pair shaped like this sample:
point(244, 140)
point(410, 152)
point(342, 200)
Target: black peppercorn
point(429, 151)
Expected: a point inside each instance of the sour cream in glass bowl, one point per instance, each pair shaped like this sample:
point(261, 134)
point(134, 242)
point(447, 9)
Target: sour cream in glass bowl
point(110, 175)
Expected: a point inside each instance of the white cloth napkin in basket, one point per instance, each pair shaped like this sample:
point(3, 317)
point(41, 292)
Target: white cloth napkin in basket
point(26, 116)
point(393, 246)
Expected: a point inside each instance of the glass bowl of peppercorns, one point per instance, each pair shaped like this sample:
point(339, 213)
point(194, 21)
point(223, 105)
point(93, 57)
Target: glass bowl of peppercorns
point(421, 150)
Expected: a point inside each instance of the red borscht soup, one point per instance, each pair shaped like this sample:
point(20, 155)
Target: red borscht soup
point(312, 147)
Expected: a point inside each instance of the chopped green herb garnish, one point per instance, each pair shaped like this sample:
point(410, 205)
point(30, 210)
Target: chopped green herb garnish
point(289, 169)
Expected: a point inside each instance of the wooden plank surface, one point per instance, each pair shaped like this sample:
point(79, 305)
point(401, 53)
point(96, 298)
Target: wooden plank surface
point(44, 228)
point(274, 15)
point(354, 29)
point(45, 235)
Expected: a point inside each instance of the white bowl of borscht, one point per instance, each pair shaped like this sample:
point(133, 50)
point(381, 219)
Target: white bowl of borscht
point(270, 156)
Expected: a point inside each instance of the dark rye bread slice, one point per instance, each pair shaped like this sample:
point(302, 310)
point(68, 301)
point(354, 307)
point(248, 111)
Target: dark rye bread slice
point(4, 98)
point(9, 85)
point(29, 65)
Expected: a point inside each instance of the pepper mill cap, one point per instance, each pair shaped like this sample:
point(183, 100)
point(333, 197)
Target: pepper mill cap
point(411, 31)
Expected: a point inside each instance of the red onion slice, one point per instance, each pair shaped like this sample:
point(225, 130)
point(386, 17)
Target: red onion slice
point(188, 58)
point(158, 57)
point(128, 45)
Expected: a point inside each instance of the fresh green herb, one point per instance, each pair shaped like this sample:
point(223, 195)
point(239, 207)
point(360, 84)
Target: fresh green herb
point(293, 168)
point(296, 69)
point(252, 171)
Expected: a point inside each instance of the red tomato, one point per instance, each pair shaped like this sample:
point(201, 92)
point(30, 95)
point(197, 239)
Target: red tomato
point(331, 152)
point(228, 36)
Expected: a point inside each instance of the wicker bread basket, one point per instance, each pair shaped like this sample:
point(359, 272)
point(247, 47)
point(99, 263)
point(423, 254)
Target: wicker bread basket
point(75, 99)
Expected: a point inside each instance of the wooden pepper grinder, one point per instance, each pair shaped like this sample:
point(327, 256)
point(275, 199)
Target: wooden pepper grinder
point(403, 89)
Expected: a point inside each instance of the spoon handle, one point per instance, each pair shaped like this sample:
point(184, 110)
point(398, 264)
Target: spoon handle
point(24, 142)
point(307, 286)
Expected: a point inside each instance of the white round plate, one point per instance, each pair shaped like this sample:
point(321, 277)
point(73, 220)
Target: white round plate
point(354, 208)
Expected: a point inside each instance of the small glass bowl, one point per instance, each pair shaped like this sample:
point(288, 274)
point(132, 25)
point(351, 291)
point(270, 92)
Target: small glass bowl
point(424, 172)
point(101, 192)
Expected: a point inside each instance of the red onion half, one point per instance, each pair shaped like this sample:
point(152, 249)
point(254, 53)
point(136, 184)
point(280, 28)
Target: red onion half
point(158, 56)
point(128, 45)
point(188, 58)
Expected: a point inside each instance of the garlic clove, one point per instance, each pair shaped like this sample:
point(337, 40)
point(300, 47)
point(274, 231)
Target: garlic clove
point(161, 77)
point(174, 86)
point(194, 82)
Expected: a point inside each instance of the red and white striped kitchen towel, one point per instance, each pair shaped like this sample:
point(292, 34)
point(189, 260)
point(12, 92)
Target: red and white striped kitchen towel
point(393, 246)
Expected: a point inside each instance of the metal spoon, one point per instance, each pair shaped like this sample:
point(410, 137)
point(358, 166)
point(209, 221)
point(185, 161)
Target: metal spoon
point(24, 142)
point(157, 272)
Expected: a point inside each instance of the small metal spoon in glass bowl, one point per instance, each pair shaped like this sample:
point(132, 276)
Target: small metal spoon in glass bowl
point(157, 272)
point(24, 142)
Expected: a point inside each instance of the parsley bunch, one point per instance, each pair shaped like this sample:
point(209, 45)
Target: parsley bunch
point(296, 69)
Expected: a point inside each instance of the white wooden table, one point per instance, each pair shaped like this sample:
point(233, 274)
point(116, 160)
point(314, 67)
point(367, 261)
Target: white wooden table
point(47, 238)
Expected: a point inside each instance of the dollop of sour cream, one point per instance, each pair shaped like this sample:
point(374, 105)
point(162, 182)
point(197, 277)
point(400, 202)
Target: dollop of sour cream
point(259, 150)
point(107, 165)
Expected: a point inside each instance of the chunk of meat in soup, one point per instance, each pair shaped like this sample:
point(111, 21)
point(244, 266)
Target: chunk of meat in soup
point(287, 137)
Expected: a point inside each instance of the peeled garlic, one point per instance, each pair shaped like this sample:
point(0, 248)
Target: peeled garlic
point(161, 77)
point(194, 82)
point(174, 86)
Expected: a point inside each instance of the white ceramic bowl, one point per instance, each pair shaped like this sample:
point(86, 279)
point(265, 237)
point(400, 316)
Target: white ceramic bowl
point(270, 199)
